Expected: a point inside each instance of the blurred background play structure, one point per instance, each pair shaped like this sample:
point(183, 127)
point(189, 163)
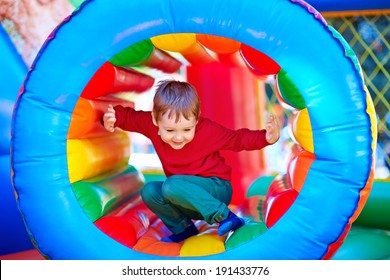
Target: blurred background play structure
point(25, 25)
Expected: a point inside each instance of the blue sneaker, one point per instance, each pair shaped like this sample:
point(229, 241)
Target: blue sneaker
point(232, 222)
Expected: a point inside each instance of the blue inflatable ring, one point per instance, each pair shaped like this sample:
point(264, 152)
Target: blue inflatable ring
point(290, 32)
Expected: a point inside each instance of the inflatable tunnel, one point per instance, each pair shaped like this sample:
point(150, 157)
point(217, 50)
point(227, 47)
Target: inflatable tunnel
point(61, 160)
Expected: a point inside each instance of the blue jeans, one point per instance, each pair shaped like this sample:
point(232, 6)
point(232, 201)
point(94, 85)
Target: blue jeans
point(181, 198)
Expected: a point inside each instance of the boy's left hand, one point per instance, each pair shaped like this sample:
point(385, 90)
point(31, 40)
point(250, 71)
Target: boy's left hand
point(272, 129)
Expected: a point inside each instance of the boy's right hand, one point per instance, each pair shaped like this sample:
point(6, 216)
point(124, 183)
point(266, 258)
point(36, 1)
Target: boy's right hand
point(109, 119)
point(272, 129)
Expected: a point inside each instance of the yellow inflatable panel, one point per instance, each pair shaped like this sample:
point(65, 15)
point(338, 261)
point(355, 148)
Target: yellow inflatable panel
point(207, 242)
point(372, 114)
point(202, 245)
point(177, 42)
point(302, 130)
point(93, 156)
point(184, 43)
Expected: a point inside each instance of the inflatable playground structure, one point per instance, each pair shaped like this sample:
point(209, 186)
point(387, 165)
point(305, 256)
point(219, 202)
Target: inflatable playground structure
point(78, 195)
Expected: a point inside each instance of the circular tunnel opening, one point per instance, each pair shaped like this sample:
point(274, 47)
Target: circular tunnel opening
point(220, 69)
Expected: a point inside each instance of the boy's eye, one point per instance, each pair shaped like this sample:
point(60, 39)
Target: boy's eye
point(187, 129)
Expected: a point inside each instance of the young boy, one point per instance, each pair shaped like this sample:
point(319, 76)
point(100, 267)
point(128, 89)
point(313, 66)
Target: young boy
point(198, 179)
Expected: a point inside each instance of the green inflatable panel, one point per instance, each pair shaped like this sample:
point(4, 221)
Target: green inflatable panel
point(289, 91)
point(365, 244)
point(376, 211)
point(245, 233)
point(260, 186)
point(133, 55)
point(101, 194)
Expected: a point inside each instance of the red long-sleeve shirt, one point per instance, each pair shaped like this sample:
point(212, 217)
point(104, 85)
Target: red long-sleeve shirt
point(201, 156)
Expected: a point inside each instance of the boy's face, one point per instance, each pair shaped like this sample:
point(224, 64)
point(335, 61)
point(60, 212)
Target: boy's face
point(176, 134)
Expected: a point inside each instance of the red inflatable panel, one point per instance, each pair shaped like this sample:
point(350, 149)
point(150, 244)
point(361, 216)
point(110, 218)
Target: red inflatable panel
point(280, 196)
point(229, 96)
point(114, 79)
point(163, 61)
point(127, 223)
point(332, 249)
point(262, 64)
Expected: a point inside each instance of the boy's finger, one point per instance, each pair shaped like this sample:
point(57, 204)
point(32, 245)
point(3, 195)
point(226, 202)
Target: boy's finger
point(111, 119)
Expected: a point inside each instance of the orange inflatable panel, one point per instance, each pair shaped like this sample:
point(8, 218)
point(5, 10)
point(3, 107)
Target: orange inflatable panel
point(205, 243)
point(150, 242)
point(219, 44)
point(87, 116)
point(299, 166)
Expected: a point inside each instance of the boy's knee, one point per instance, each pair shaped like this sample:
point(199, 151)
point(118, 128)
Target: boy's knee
point(150, 192)
point(172, 187)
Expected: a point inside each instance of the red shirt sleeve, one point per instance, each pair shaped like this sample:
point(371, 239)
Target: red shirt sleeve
point(131, 120)
point(236, 140)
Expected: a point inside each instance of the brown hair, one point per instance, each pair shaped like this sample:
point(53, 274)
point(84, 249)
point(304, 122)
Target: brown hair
point(176, 97)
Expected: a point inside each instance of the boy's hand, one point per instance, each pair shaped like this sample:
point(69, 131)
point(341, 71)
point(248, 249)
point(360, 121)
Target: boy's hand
point(109, 119)
point(272, 129)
